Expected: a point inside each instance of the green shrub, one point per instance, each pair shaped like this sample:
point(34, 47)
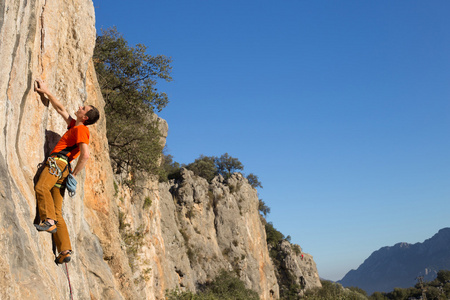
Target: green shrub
point(169, 169)
point(273, 236)
point(116, 188)
point(147, 202)
point(296, 249)
point(332, 290)
point(226, 286)
point(204, 167)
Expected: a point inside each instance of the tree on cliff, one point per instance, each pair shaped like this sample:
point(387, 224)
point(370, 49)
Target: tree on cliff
point(204, 166)
point(170, 169)
point(128, 77)
point(227, 165)
point(254, 181)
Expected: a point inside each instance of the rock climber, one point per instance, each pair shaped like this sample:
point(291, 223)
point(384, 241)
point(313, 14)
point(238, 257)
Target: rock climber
point(50, 187)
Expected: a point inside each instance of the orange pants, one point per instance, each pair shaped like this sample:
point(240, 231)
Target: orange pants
point(50, 199)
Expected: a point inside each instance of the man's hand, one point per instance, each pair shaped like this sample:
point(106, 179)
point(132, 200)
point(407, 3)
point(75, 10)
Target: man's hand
point(42, 88)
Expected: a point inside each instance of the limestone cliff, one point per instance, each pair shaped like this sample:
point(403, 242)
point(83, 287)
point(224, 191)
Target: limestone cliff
point(208, 227)
point(53, 40)
point(129, 243)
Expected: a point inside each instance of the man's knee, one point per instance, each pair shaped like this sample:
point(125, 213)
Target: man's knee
point(40, 189)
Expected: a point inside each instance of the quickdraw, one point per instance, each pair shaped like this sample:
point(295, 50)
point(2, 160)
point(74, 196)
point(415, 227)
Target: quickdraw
point(53, 167)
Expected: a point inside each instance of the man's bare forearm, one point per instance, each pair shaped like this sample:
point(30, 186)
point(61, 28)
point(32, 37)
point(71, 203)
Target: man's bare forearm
point(41, 87)
point(82, 161)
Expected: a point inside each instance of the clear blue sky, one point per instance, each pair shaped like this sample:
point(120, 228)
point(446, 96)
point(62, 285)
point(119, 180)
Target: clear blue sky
point(342, 108)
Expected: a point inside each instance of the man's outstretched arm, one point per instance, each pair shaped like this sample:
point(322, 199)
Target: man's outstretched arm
point(42, 88)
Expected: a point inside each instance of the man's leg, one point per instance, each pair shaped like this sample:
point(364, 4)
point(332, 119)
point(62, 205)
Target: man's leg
point(62, 239)
point(44, 196)
point(61, 236)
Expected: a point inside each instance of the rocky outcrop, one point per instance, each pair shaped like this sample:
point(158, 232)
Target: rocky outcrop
point(209, 227)
point(299, 266)
point(400, 265)
point(130, 241)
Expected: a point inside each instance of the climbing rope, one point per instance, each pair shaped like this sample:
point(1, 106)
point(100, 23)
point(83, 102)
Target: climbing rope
point(68, 279)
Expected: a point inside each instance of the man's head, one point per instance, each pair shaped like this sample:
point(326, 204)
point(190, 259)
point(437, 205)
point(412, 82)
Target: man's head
point(92, 114)
point(87, 114)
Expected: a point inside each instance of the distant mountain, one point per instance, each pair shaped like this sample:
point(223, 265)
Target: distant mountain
point(399, 265)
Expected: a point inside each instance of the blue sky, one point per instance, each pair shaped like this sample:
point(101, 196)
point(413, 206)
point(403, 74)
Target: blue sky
point(340, 107)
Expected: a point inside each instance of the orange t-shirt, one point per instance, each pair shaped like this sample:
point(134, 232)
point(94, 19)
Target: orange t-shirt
point(68, 144)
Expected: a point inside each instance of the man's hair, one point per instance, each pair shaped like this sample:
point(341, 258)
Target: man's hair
point(93, 116)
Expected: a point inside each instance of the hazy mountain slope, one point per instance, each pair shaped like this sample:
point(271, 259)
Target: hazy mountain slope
point(399, 265)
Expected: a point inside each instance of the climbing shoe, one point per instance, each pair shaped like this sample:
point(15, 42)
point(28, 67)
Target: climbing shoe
point(46, 226)
point(63, 258)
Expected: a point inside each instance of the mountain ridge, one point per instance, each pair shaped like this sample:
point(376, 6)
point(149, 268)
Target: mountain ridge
point(399, 265)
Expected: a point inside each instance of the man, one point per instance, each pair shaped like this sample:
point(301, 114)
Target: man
point(50, 187)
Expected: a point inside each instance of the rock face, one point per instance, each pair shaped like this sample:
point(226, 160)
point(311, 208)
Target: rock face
point(401, 264)
point(128, 243)
point(299, 265)
point(209, 227)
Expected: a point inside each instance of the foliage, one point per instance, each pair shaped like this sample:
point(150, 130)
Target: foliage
point(443, 276)
point(169, 169)
point(226, 286)
point(263, 208)
point(134, 240)
point(335, 291)
point(437, 289)
point(289, 289)
point(357, 290)
point(208, 167)
point(227, 165)
point(204, 166)
point(254, 181)
point(273, 236)
point(378, 296)
point(296, 249)
point(147, 202)
point(127, 77)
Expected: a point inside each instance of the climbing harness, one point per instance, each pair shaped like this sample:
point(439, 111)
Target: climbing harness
point(53, 168)
point(68, 279)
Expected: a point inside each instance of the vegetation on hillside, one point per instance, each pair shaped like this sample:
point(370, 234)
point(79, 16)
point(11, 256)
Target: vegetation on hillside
point(128, 76)
point(331, 290)
point(438, 289)
point(289, 287)
point(207, 167)
point(226, 286)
